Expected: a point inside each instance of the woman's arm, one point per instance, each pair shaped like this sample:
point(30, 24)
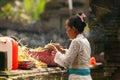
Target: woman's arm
point(66, 59)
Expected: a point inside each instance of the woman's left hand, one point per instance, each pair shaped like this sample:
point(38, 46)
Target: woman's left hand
point(50, 48)
point(59, 48)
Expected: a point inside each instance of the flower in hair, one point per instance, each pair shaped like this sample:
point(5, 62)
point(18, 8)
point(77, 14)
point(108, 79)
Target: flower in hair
point(82, 16)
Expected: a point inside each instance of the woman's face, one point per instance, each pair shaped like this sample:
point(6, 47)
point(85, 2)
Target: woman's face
point(71, 32)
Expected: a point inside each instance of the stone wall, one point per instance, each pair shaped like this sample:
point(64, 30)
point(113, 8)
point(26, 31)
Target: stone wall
point(106, 25)
point(105, 34)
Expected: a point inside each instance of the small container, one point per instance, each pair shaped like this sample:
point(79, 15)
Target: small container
point(26, 64)
point(9, 48)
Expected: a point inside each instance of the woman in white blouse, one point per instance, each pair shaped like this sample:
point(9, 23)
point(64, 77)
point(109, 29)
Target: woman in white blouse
point(76, 58)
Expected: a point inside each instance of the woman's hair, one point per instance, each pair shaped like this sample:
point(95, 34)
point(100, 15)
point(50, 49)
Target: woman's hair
point(77, 21)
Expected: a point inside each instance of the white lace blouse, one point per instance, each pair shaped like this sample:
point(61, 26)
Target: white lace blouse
point(78, 54)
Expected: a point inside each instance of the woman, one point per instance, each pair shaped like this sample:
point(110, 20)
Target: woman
point(76, 58)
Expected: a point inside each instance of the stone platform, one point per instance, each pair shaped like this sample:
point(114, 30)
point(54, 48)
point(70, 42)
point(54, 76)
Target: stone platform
point(34, 74)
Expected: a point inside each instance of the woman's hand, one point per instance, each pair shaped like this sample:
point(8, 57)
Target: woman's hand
point(50, 48)
point(59, 48)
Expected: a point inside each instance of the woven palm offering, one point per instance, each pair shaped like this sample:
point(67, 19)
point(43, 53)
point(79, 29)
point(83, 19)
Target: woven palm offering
point(25, 61)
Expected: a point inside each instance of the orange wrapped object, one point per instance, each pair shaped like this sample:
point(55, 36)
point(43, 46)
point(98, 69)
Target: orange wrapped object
point(92, 61)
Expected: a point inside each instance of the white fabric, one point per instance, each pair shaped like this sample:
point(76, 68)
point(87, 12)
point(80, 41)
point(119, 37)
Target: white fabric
point(78, 77)
point(77, 56)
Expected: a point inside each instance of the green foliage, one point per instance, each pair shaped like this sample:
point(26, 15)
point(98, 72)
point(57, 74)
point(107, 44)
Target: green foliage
point(25, 11)
point(6, 10)
point(4, 2)
point(28, 4)
point(34, 7)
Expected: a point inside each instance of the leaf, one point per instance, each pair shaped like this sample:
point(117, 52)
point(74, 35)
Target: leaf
point(7, 7)
point(34, 7)
point(39, 8)
point(28, 4)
